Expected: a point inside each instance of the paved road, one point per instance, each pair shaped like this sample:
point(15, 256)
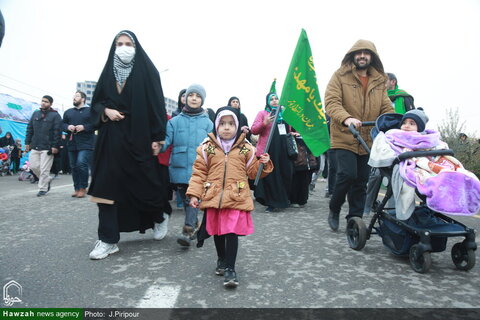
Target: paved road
point(292, 260)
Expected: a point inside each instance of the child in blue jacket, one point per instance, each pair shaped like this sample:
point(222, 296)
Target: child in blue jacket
point(185, 132)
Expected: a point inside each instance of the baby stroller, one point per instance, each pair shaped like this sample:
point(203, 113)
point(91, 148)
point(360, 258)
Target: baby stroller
point(426, 231)
point(26, 174)
point(5, 160)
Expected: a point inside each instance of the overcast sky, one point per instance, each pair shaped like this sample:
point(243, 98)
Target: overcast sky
point(238, 47)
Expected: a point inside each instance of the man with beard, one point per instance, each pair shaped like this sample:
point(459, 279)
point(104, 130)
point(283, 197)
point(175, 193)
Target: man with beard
point(355, 93)
point(43, 139)
point(76, 121)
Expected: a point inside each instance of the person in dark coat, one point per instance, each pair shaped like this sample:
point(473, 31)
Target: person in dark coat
point(182, 99)
point(16, 155)
point(2, 28)
point(234, 102)
point(43, 139)
point(128, 109)
point(76, 121)
point(273, 191)
point(211, 114)
point(304, 166)
point(64, 163)
point(7, 140)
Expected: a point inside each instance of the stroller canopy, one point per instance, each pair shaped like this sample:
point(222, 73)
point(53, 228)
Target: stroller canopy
point(386, 122)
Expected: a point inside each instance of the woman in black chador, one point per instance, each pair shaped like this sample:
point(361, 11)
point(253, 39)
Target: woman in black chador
point(273, 190)
point(128, 109)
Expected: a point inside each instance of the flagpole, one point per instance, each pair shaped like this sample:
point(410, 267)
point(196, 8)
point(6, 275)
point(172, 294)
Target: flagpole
point(267, 146)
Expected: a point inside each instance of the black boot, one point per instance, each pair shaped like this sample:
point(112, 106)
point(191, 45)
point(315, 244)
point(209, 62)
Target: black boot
point(231, 280)
point(333, 220)
point(221, 265)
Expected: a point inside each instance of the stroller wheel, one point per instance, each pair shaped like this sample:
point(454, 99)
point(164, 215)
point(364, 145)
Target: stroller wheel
point(356, 233)
point(463, 258)
point(420, 262)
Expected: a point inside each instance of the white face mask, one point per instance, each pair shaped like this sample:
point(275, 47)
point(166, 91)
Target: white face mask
point(125, 53)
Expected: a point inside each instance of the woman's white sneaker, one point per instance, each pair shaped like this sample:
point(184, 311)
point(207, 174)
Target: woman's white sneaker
point(160, 229)
point(103, 250)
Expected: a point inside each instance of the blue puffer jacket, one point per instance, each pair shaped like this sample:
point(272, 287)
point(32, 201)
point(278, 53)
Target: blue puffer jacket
point(185, 133)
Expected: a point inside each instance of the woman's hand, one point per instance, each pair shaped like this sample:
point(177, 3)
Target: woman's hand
point(155, 148)
point(264, 158)
point(268, 120)
point(113, 115)
point(193, 202)
point(245, 129)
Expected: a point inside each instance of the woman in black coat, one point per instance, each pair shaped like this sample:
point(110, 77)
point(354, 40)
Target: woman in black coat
point(234, 102)
point(7, 140)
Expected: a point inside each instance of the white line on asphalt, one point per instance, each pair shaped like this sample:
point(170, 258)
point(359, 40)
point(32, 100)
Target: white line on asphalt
point(159, 296)
point(54, 187)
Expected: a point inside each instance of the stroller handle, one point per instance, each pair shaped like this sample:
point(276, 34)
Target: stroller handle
point(427, 153)
point(354, 130)
point(357, 136)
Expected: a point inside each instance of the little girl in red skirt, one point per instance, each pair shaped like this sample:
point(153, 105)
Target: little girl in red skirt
point(219, 184)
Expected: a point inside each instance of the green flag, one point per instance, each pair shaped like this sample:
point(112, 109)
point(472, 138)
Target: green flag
point(273, 88)
point(301, 98)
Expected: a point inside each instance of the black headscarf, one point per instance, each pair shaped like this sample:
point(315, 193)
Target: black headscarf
point(230, 101)
point(147, 103)
point(4, 141)
point(180, 105)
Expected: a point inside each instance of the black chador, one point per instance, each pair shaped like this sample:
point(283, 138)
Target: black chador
point(125, 172)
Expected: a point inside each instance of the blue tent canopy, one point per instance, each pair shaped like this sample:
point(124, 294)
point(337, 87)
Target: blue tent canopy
point(14, 116)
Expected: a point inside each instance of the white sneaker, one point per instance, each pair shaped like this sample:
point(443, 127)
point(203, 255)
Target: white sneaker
point(102, 250)
point(160, 229)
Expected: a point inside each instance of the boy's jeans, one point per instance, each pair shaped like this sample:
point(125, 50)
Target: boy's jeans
point(191, 218)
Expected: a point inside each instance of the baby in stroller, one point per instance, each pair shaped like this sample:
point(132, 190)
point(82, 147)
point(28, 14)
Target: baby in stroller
point(5, 160)
point(415, 161)
point(448, 187)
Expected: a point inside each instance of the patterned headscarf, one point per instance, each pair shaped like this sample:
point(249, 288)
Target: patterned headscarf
point(122, 70)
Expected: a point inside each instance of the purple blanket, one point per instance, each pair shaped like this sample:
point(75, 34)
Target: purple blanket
point(451, 192)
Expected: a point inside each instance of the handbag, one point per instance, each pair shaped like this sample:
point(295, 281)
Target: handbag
point(292, 148)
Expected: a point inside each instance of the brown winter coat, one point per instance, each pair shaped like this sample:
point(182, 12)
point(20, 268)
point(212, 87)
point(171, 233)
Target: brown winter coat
point(222, 181)
point(344, 98)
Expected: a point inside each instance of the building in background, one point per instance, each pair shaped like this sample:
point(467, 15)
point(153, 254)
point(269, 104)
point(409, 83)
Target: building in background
point(170, 105)
point(89, 87)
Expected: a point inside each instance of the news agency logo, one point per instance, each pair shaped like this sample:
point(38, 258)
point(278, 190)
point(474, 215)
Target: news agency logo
point(12, 293)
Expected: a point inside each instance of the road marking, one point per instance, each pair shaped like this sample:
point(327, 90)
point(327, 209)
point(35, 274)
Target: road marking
point(54, 187)
point(159, 296)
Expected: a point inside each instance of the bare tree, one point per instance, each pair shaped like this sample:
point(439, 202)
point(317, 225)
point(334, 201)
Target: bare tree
point(451, 126)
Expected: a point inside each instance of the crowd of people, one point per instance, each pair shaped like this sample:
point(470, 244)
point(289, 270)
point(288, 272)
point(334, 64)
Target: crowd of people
point(140, 156)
